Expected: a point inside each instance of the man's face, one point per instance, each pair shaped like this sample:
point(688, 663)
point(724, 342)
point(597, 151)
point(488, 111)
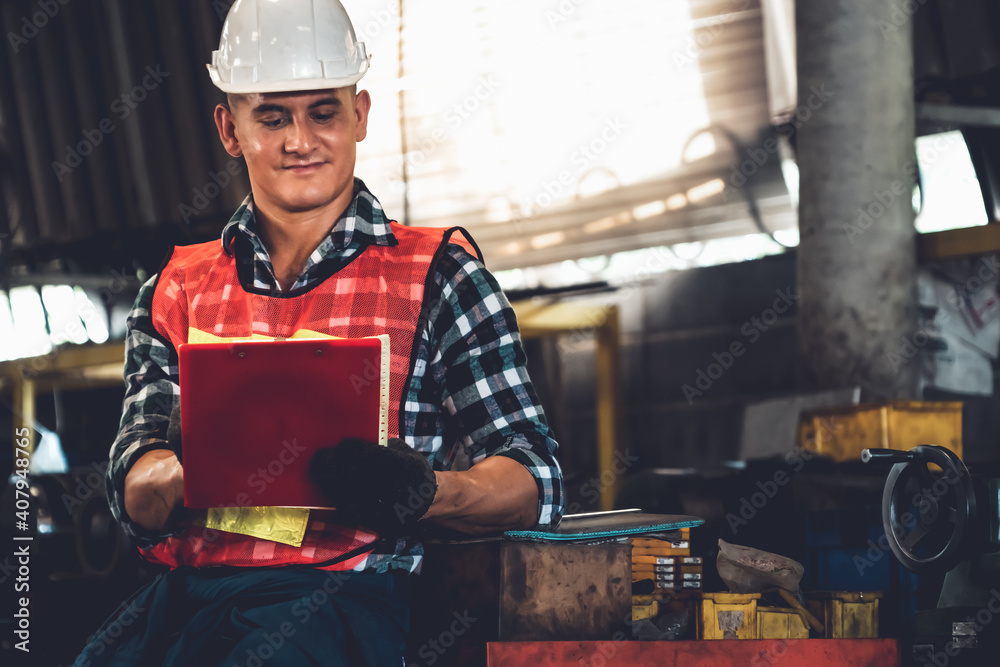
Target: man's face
point(300, 148)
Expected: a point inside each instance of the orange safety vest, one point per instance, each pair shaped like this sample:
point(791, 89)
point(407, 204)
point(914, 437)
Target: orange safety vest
point(381, 291)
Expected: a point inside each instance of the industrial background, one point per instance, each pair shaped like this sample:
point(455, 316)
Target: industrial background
point(712, 216)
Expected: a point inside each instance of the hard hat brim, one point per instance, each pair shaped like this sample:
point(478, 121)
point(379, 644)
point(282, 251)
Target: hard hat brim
point(294, 85)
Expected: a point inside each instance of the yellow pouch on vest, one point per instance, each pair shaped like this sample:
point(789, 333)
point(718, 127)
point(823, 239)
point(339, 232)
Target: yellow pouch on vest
point(286, 525)
point(278, 524)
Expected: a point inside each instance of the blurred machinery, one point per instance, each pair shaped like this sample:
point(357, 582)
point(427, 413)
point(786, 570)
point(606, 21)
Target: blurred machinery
point(941, 518)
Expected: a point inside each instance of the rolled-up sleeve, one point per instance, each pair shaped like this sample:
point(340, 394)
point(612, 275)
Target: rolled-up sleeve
point(487, 390)
point(151, 392)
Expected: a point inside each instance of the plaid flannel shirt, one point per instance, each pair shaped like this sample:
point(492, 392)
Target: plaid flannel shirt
point(470, 396)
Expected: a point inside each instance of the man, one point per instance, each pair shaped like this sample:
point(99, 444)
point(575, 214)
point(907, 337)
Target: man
point(311, 250)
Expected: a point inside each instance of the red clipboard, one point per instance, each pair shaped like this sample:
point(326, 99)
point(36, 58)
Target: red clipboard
point(254, 412)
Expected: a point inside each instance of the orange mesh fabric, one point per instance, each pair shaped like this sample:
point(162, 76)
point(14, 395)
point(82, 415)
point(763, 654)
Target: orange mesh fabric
point(380, 291)
point(323, 542)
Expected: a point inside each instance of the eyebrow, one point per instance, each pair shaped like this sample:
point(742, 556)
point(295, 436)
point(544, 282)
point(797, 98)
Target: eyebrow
point(269, 108)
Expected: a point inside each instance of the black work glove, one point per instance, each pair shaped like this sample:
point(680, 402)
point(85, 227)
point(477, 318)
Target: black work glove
point(174, 432)
point(387, 489)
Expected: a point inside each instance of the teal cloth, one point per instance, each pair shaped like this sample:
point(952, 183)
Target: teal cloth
point(607, 526)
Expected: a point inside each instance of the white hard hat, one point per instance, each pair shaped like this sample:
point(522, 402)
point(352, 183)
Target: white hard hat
point(271, 46)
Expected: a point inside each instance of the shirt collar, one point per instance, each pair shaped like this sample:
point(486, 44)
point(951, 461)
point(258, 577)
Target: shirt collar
point(362, 223)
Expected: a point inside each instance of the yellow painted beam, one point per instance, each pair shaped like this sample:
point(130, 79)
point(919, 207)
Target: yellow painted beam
point(541, 318)
point(70, 368)
point(24, 412)
point(608, 398)
point(954, 243)
point(537, 318)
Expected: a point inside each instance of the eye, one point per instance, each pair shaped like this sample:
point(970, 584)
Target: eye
point(272, 123)
point(323, 116)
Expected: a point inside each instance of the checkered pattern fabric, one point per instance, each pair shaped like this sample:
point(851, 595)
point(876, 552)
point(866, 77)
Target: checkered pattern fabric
point(364, 215)
point(466, 395)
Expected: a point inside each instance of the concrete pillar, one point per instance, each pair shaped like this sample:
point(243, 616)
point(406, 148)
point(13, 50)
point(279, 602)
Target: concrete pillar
point(856, 257)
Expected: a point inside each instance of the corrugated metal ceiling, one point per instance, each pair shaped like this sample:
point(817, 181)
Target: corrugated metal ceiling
point(108, 151)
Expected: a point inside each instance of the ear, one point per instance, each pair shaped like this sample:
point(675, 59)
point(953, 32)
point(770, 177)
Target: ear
point(226, 124)
point(362, 104)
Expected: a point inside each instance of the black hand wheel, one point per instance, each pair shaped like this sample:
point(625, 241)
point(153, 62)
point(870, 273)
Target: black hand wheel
point(928, 515)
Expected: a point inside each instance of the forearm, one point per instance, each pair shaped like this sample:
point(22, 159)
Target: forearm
point(150, 397)
point(154, 490)
point(495, 495)
point(475, 350)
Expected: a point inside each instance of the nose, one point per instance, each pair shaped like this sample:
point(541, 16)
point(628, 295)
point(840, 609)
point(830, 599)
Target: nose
point(299, 138)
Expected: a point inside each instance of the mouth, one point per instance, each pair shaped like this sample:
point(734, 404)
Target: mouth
point(304, 168)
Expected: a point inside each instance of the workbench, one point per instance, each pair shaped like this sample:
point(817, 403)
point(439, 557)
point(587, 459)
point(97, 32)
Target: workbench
point(722, 653)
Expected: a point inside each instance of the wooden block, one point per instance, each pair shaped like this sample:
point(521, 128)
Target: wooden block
point(521, 591)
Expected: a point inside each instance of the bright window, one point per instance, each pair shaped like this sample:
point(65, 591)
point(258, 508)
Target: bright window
point(951, 195)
